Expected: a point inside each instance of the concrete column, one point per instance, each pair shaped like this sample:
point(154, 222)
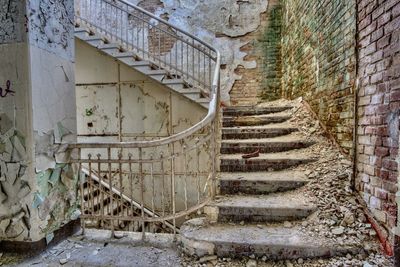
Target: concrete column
point(37, 118)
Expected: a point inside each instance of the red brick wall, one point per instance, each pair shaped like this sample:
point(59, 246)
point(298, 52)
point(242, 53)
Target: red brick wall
point(378, 107)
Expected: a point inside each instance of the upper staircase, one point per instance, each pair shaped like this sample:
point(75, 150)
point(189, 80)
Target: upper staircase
point(149, 45)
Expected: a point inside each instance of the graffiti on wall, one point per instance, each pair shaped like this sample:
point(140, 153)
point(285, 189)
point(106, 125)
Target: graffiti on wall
point(4, 92)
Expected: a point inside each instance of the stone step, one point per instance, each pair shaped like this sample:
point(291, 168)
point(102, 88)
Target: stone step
point(254, 120)
point(251, 110)
point(274, 242)
point(254, 132)
point(260, 182)
point(264, 145)
point(254, 209)
point(265, 162)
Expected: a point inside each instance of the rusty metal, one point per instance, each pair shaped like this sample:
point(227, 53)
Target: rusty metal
point(141, 184)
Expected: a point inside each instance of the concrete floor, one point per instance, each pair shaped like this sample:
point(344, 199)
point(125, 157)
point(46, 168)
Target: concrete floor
point(96, 249)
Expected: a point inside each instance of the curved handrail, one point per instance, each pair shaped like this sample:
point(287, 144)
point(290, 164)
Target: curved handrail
point(212, 109)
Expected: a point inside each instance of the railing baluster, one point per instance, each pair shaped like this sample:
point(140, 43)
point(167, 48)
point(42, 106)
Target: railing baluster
point(81, 182)
point(111, 211)
point(152, 186)
point(163, 185)
point(141, 191)
point(184, 153)
point(100, 190)
point(130, 180)
point(197, 173)
point(173, 191)
point(121, 187)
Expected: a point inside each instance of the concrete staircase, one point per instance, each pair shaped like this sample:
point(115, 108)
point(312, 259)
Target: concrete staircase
point(97, 200)
point(259, 195)
point(151, 69)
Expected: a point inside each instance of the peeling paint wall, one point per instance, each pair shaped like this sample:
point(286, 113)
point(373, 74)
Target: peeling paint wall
point(12, 18)
point(38, 118)
point(224, 24)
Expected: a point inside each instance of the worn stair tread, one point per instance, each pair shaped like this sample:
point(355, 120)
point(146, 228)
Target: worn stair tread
point(272, 115)
point(289, 155)
point(272, 126)
point(274, 242)
point(279, 201)
point(258, 131)
point(265, 145)
point(278, 176)
point(255, 120)
point(256, 183)
point(253, 110)
point(278, 139)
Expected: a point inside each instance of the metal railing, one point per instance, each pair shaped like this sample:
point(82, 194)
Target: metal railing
point(151, 39)
point(165, 179)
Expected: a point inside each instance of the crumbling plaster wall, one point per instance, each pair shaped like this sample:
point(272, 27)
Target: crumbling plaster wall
point(38, 119)
point(221, 23)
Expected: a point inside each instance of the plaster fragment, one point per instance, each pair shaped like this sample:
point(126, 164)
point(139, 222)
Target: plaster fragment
point(3, 196)
point(12, 172)
point(5, 123)
point(37, 200)
point(23, 192)
point(49, 237)
point(17, 218)
point(55, 176)
point(44, 162)
point(45, 144)
point(19, 151)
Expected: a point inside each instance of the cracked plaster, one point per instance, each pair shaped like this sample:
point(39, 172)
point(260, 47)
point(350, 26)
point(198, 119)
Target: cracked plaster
point(12, 18)
point(38, 188)
point(220, 23)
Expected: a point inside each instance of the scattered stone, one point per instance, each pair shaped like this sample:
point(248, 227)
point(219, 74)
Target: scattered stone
point(338, 230)
point(207, 258)
point(63, 261)
point(287, 224)
point(251, 263)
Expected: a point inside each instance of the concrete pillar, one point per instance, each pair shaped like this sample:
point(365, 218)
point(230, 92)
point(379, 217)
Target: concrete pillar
point(37, 118)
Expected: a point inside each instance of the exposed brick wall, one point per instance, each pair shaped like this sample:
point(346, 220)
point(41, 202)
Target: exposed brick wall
point(318, 58)
point(378, 107)
point(159, 43)
point(255, 83)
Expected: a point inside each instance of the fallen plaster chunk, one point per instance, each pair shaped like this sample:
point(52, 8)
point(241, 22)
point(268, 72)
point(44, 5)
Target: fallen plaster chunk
point(23, 192)
point(12, 172)
point(17, 217)
point(44, 162)
point(19, 151)
point(49, 237)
